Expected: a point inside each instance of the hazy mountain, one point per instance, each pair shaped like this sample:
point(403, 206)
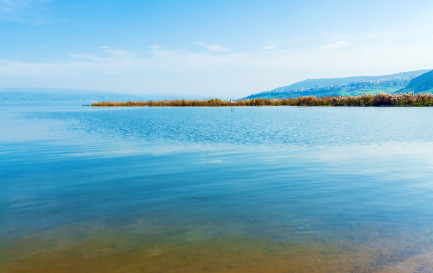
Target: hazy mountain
point(422, 83)
point(53, 95)
point(342, 86)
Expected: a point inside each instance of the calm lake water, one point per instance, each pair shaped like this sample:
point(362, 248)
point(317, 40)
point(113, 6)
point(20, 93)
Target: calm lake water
point(257, 189)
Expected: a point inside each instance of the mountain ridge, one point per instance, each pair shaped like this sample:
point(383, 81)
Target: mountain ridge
point(422, 83)
point(65, 95)
point(346, 86)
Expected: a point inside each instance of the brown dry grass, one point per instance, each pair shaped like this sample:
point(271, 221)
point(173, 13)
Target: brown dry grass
point(421, 99)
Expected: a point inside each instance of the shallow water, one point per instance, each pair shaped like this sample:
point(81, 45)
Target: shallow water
point(277, 189)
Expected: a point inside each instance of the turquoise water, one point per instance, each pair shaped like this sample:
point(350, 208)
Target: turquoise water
point(357, 178)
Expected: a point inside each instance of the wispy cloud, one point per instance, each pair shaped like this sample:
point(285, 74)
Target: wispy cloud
point(83, 56)
point(183, 71)
point(155, 47)
point(213, 48)
point(118, 53)
point(334, 45)
point(270, 47)
point(105, 53)
point(25, 11)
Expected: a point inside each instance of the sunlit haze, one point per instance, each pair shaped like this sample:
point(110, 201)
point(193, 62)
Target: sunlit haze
point(209, 48)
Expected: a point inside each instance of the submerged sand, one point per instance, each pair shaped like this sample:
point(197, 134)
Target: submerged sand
point(130, 252)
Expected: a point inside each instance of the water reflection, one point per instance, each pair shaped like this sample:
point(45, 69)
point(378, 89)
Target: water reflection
point(192, 189)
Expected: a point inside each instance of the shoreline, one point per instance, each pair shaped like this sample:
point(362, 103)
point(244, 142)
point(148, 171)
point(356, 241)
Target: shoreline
point(368, 100)
point(107, 250)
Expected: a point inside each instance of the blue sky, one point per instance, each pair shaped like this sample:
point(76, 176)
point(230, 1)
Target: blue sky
point(212, 48)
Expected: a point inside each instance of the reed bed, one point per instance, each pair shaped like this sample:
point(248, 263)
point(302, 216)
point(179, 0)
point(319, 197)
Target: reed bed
point(383, 99)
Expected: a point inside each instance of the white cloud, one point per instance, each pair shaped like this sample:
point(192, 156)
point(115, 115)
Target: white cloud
point(16, 4)
point(213, 48)
point(155, 47)
point(106, 52)
point(335, 45)
point(227, 75)
point(83, 56)
point(24, 11)
point(118, 53)
point(270, 47)
point(217, 48)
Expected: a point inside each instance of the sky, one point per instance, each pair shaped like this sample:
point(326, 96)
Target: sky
point(208, 48)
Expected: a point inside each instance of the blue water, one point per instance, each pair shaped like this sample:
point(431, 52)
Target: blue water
point(279, 173)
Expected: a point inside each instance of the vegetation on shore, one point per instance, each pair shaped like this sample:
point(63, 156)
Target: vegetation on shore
point(383, 99)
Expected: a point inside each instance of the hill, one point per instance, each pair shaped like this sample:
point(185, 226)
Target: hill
point(350, 86)
point(49, 95)
point(422, 83)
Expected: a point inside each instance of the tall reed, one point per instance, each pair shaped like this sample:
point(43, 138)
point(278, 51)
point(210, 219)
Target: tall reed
point(383, 99)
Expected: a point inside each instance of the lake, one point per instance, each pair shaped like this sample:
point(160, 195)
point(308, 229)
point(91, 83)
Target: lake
point(256, 189)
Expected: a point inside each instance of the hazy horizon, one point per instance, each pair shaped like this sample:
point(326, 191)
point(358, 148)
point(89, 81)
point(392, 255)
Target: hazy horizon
point(224, 49)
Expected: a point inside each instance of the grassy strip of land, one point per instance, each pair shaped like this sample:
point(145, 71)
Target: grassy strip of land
point(421, 99)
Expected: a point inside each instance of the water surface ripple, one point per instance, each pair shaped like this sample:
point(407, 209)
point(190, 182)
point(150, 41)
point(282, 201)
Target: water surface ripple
point(351, 188)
